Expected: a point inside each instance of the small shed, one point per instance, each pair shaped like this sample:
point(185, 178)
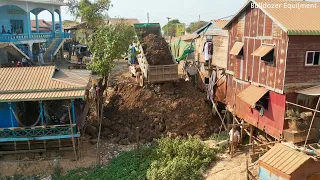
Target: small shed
point(283, 162)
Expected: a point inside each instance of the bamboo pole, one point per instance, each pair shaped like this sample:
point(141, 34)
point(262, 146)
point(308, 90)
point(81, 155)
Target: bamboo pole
point(314, 115)
point(71, 126)
point(314, 110)
point(99, 134)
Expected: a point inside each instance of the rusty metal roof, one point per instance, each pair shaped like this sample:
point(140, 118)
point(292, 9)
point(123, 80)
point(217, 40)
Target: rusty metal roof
point(283, 159)
point(294, 21)
point(236, 48)
point(252, 94)
point(313, 91)
point(220, 23)
point(262, 50)
point(27, 83)
point(130, 21)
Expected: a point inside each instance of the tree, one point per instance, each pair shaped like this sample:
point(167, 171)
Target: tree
point(105, 42)
point(195, 26)
point(172, 27)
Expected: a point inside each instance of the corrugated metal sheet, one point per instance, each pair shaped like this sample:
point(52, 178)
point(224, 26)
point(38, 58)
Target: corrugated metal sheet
point(34, 96)
point(284, 159)
point(29, 79)
point(236, 48)
point(262, 50)
point(77, 78)
point(33, 83)
point(300, 19)
point(313, 91)
point(220, 23)
point(252, 94)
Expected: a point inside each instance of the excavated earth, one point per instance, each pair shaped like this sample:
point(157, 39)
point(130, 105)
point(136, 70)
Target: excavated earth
point(157, 50)
point(173, 109)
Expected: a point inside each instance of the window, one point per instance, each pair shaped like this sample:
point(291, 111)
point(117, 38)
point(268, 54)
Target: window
point(312, 58)
point(268, 57)
point(263, 102)
point(16, 26)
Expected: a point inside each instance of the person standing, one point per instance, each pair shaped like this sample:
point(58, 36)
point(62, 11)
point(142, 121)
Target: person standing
point(41, 60)
point(234, 139)
point(132, 54)
point(3, 30)
point(24, 62)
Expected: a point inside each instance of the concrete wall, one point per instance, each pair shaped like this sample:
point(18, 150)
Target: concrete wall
point(8, 13)
point(5, 115)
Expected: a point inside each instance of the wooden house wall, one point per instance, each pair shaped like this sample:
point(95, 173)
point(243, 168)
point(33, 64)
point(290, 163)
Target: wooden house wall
point(255, 28)
point(299, 76)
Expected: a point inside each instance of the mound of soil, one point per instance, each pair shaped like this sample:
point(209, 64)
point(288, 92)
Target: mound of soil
point(158, 110)
point(156, 50)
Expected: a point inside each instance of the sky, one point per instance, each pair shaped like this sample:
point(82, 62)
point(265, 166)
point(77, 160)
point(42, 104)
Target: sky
point(185, 10)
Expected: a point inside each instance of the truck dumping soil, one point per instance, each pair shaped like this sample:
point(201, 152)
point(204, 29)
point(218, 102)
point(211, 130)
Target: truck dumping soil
point(156, 50)
point(158, 110)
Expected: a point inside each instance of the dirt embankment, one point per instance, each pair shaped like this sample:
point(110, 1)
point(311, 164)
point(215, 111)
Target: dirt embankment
point(157, 50)
point(158, 110)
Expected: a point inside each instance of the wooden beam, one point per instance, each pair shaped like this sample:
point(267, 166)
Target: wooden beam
point(314, 110)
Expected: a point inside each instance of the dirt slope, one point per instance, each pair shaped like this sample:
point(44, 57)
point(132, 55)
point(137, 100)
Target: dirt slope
point(170, 110)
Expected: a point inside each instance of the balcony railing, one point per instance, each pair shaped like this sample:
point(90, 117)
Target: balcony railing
point(50, 132)
point(24, 37)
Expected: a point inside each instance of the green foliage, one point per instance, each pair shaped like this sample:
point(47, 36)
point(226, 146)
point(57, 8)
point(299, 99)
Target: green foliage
point(174, 159)
point(128, 165)
point(180, 159)
point(172, 27)
point(219, 137)
point(195, 26)
point(108, 43)
point(105, 42)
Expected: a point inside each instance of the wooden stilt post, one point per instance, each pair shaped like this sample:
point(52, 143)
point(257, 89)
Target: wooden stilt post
point(222, 119)
point(71, 126)
point(251, 138)
point(314, 115)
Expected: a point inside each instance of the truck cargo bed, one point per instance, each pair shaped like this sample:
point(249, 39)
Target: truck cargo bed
point(154, 73)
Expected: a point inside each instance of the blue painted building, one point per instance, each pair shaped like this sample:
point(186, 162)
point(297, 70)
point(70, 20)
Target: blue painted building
point(41, 104)
point(17, 35)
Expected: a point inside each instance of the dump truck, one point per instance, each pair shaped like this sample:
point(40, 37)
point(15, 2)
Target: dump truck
point(144, 72)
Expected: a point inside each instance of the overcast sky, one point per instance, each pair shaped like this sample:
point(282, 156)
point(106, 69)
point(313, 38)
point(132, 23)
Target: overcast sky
point(185, 10)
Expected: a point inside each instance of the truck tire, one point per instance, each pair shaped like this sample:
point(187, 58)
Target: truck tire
point(141, 80)
point(138, 77)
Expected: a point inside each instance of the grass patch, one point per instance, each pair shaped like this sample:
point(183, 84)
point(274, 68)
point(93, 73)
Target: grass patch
point(128, 165)
point(219, 137)
point(171, 159)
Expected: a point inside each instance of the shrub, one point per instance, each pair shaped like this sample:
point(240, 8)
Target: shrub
point(180, 159)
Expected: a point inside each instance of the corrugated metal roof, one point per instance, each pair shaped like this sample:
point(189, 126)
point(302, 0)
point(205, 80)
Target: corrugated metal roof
point(284, 159)
point(262, 50)
point(34, 96)
point(294, 21)
point(252, 94)
point(313, 91)
point(124, 20)
point(73, 77)
point(27, 83)
point(220, 23)
point(236, 48)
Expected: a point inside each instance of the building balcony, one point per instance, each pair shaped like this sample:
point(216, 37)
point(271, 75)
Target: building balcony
point(54, 2)
point(19, 38)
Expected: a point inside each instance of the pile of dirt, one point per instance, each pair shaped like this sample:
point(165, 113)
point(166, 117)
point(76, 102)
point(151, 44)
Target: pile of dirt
point(157, 50)
point(158, 110)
